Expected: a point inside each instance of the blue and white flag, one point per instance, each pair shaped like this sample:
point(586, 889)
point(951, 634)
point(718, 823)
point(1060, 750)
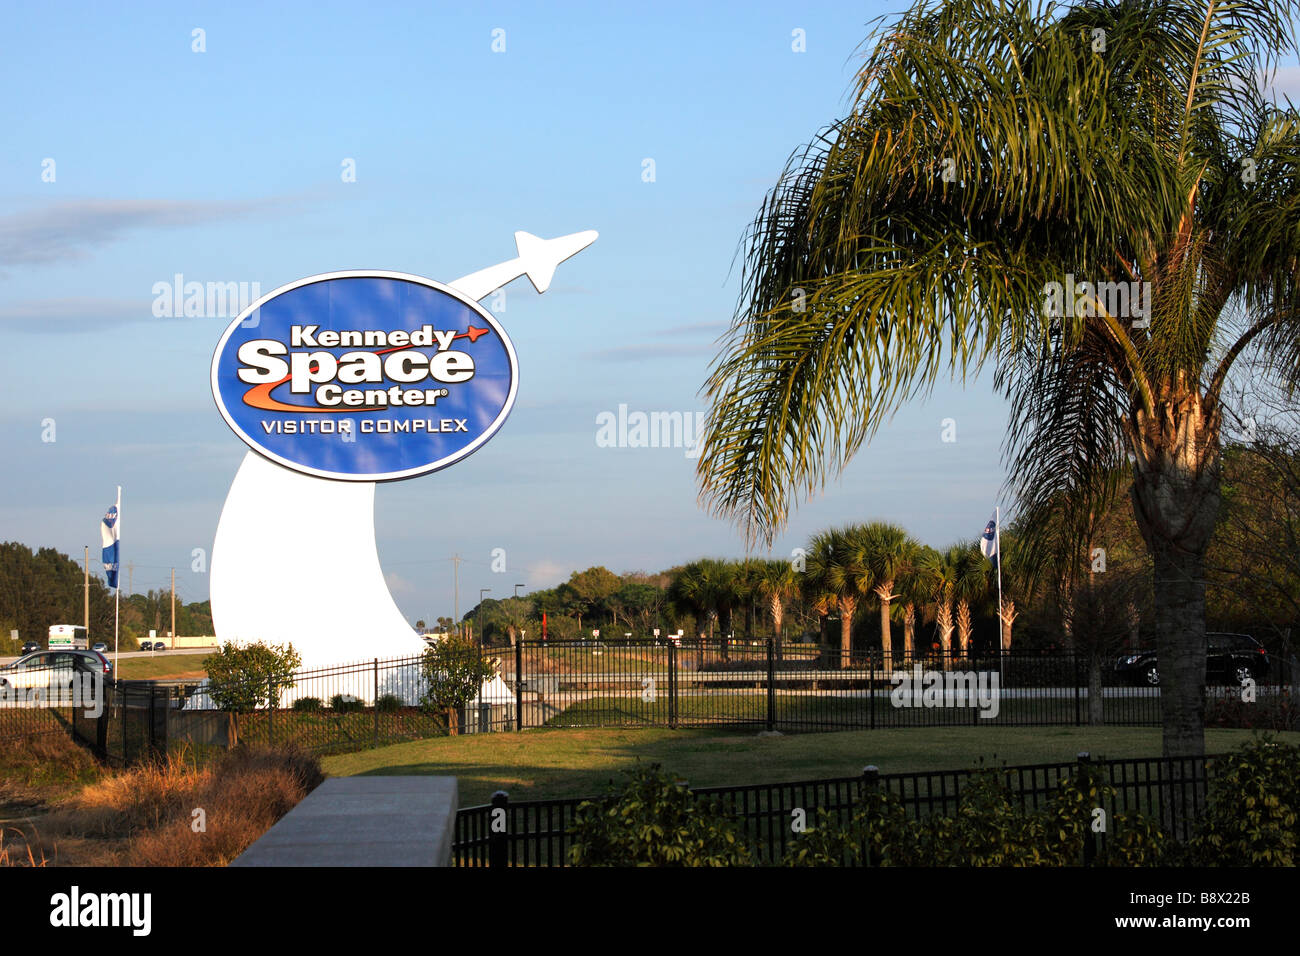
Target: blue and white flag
point(989, 540)
point(110, 530)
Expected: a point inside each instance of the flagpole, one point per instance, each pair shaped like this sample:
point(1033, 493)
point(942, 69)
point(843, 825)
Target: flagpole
point(997, 544)
point(117, 582)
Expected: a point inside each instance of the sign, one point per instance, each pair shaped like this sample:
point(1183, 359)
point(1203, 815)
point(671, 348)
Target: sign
point(365, 376)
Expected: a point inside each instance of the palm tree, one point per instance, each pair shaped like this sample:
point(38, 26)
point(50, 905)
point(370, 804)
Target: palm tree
point(1099, 200)
point(940, 571)
point(688, 594)
point(834, 572)
point(971, 586)
point(887, 553)
point(914, 590)
point(778, 583)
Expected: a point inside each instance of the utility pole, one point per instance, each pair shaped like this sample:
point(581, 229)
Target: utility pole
point(130, 579)
point(85, 591)
point(173, 635)
point(456, 563)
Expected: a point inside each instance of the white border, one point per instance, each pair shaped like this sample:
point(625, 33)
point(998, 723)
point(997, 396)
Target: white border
point(441, 463)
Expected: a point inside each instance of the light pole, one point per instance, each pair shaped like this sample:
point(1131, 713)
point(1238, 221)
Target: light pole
point(517, 587)
point(481, 592)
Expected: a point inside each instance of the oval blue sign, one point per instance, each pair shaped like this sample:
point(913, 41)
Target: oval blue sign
point(365, 376)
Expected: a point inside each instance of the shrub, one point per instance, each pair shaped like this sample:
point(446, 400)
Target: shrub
point(1136, 841)
point(1251, 812)
point(308, 704)
point(241, 679)
point(345, 703)
point(652, 820)
point(1269, 711)
point(454, 670)
point(389, 703)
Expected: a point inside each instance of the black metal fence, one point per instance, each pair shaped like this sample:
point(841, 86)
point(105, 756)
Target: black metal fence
point(635, 683)
point(802, 687)
point(1168, 791)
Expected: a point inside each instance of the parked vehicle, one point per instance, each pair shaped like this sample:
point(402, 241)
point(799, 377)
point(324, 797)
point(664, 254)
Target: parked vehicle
point(53, 669)
point(1230, 658)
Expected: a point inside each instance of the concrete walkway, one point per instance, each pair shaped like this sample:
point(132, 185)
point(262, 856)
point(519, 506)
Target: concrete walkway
point(364, 821)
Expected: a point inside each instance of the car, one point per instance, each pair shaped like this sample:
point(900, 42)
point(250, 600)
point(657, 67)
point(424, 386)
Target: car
point(52, 669)
point(99, 646)
point(31, 646)
point(148, 645)
point(1230, 658)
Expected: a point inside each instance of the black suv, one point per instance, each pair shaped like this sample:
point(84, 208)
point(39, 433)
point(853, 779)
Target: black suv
point(1230, 658)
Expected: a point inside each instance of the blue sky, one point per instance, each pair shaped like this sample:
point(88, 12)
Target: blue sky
point(225, 166)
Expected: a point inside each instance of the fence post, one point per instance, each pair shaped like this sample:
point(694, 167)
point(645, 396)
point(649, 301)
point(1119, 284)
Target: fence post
point(270, 709)
point(1089, 837)
point(498, 835)
point(870, 784)
point(771, 685)
point(101, 723)
point(519, 684)
point(375, 700)
point(1075, 657)
point(672, 684)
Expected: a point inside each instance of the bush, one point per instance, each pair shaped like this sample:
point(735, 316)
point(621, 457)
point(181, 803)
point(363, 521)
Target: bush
point(241, 679)
point(990, 828)
point(1251, 813)
point(389, 703)
point(310, 704)
point(652, 820)
point(1269, 711)
point(454, 670)
point(345, 703)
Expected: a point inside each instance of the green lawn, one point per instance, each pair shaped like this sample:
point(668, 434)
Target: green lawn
point(162, 667)
point(539, 764)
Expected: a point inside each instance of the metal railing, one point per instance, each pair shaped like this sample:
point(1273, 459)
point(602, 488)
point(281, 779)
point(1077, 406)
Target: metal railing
point(1169, 791)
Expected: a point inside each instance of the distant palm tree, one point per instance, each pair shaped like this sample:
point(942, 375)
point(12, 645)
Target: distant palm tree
point(834, 572)
point(940, 571)
point(778, 584)
point(1100, 200)
point(887, 553)
point(971, 586)
point(914, 590)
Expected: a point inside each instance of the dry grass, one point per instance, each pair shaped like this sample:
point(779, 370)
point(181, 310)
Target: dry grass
point(176, 813)
point(36, 770)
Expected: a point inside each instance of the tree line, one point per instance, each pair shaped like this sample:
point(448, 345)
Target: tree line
point(873, 587)
point(39, 588)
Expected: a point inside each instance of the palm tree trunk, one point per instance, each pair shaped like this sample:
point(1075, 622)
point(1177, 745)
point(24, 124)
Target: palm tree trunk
point(909, 632)
point(1008, 617)
point(943, 617)
point(1095, 701)
point(1176, 502)
point(847, 607)
point(778, 613)
point(963, 626)
point(886, 639)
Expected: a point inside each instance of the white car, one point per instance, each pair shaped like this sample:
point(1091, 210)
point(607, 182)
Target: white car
point(53, 669)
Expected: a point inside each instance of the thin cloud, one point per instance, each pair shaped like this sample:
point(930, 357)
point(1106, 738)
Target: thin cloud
point(696, 328)
point(73, 229)
point(72, 314)
point(636, 353)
